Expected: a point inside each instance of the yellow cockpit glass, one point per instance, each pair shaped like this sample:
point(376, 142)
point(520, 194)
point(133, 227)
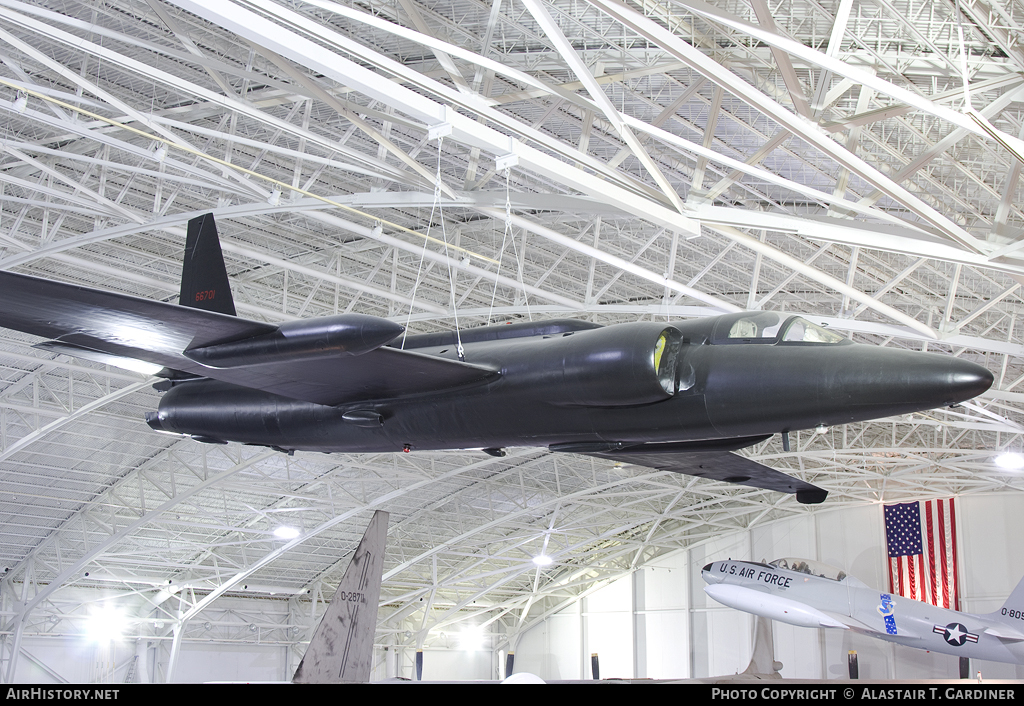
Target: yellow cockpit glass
point(666, 358)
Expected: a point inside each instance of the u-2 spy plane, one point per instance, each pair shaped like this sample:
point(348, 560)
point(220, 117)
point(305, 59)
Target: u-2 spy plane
point(814, 595)
point(679, 397)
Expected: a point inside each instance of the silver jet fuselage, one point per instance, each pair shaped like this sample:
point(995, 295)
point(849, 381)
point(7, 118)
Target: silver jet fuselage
point(807, 598)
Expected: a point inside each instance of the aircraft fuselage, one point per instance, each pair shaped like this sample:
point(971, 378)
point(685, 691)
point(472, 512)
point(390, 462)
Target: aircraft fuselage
point(596, 386)
point(679, 397)
point(806, 599)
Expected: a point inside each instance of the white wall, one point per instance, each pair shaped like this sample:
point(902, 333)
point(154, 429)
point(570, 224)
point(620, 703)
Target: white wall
point(662, 614)
point(555, 647)
point(663, 619)
point(228, 650)
point(46, 660)
point(455, 664)
point(211, 663)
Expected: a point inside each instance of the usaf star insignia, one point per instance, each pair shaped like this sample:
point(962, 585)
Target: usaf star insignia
point(955, 634)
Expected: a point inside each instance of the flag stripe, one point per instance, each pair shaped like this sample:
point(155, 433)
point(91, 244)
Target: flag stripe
point(931, 552)
point(944, 568)
point(954, 593)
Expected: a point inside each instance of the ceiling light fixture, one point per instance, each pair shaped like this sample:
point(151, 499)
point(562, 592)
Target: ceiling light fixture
point(1010, 461)
point(106, 624)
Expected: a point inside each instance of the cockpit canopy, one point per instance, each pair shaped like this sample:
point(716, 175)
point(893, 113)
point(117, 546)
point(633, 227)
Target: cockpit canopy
point(810, 567)
point(769, 327)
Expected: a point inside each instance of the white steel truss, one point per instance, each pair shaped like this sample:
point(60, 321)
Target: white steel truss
point(662, 159)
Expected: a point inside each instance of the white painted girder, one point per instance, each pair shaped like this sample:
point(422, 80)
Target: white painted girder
point(569, 55)
point(697, 510)
point(803, 129)
point(614, 116)
point(835, 283)
point(430, 112)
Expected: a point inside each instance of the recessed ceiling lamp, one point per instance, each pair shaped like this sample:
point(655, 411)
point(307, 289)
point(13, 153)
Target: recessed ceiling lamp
point(1010, 461)
point(283, 532)
point(106, 624)
point(472, 639)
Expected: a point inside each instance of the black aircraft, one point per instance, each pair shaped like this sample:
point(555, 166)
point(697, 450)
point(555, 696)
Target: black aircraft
point(679, 397)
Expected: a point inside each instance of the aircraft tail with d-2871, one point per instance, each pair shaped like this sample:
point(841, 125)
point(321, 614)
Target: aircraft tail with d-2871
point(813, 595)
point(679, 396)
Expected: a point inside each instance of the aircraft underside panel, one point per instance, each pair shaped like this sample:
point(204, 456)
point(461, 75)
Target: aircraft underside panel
point(722, 466)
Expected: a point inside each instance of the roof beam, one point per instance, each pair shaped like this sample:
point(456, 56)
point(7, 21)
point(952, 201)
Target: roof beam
point(577, 66)
point(792, 81)
point(653, 31)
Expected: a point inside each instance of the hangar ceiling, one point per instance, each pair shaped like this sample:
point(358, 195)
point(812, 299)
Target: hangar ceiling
point(465, 162)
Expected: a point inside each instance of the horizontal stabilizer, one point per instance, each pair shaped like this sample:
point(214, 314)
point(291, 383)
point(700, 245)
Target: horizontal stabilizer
point(690, 459)
point(1004, 632)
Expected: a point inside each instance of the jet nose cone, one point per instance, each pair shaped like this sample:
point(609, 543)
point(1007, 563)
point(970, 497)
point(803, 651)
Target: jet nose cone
point(904, 380)
point(966, 380)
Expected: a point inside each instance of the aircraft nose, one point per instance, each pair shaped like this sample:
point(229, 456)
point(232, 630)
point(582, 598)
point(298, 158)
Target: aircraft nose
point(938, 381)
point(888, 381)
point(708, 576)
point(967, 380)
point(750, 390)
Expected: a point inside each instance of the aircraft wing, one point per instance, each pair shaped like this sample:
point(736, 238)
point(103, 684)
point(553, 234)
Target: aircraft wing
point(856, 625)
point(105, 326)
point(693, 460)
point(71, 313)
point(1004, 632)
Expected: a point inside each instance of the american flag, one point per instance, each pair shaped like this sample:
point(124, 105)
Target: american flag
point(921, 538)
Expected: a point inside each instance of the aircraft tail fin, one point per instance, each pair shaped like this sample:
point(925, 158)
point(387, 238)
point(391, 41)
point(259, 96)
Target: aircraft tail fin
point(1012, 611)
point(762, 661)
point(341, 649)
point(204, 278)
